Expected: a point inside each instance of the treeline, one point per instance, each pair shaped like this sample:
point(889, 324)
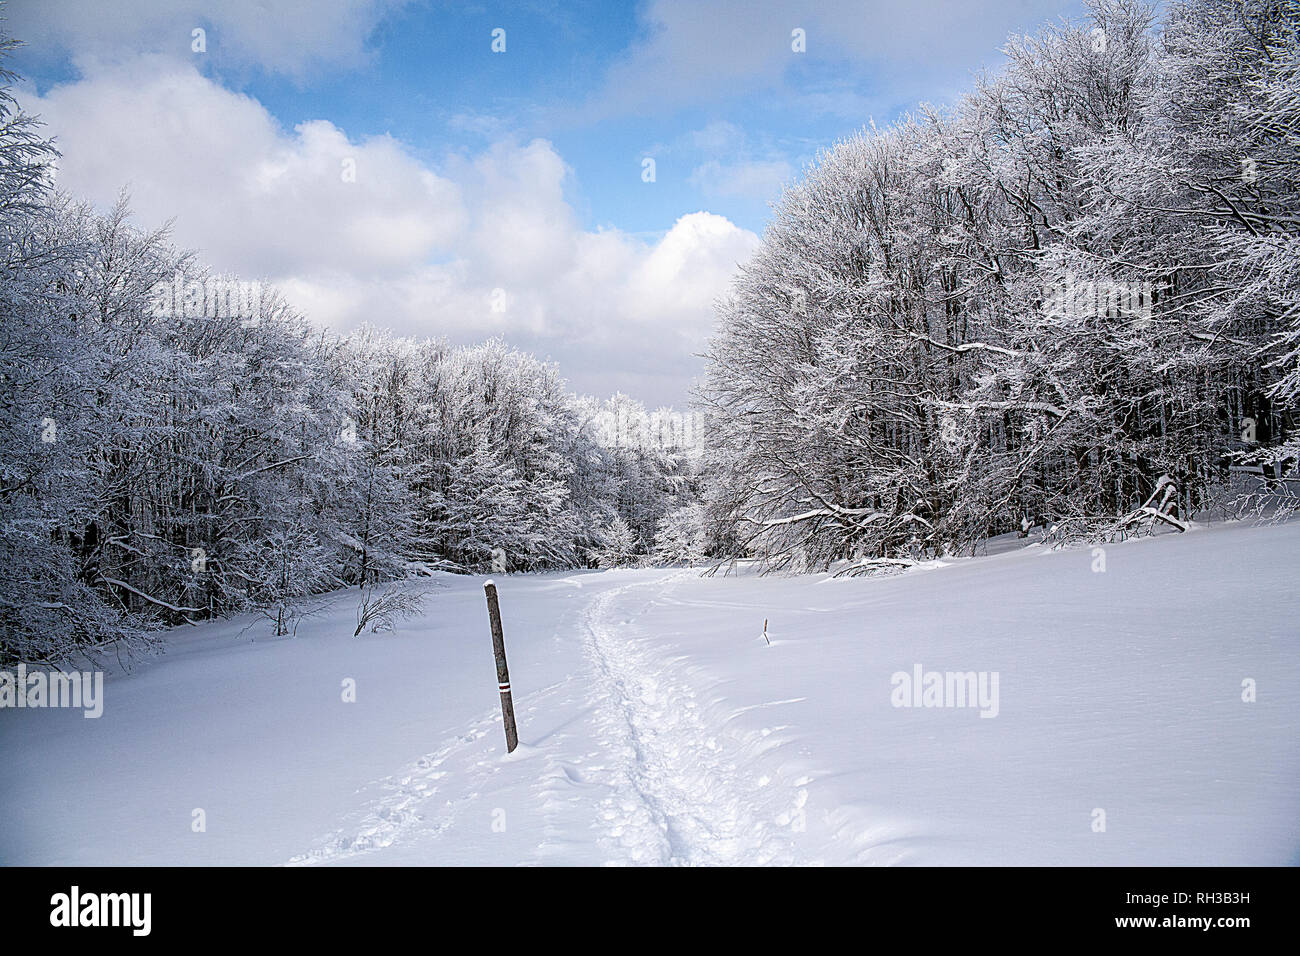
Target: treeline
point(176, 445)
point(1071, 298)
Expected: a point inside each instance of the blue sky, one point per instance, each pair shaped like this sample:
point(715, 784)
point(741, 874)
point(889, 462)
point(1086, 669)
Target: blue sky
point(482, 177)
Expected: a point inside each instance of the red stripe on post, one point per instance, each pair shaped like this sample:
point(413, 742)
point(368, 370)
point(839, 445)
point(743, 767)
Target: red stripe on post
point(503, 672)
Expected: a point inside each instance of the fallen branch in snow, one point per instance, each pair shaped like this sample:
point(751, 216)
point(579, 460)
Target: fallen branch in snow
point(1150, 513)
point(1084, 529)
point(1135, 518)
point(872, 566)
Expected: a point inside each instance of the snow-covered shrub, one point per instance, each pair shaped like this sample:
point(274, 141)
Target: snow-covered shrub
point(619, 547)
point(679, 538)
point(382, 607)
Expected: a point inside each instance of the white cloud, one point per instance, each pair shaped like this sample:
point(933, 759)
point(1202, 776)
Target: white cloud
point(698, 50)
point(254, 198)
point(413, 248)
point(682, 269)
point(717, 137)
point(760, 179)
point(294, 37)
point(729, 162)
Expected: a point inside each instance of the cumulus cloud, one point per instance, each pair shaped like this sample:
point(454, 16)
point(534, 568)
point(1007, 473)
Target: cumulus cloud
point(361, 230)
point(252, 196)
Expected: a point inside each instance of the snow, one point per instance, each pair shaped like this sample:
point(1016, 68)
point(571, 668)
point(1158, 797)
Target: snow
point(658, 727)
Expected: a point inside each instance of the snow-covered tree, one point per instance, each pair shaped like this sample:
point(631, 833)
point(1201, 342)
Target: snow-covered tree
point(680, 538)
point(619, 547)
point(1064, 293)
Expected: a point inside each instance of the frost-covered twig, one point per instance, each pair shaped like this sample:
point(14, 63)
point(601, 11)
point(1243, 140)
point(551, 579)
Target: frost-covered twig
point(378, 610)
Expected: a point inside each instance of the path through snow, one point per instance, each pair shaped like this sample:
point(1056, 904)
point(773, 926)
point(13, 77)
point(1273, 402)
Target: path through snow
point(679, 795)
point(664, 785)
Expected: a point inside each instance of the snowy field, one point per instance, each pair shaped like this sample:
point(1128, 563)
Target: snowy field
point(659, 727)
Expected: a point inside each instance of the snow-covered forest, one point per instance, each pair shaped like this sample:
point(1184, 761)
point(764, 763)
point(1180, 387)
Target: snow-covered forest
point(1073, 299)
point(945, 511)
point(173, 457)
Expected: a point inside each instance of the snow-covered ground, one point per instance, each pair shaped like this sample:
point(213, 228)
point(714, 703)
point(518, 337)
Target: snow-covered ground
point(659, 726)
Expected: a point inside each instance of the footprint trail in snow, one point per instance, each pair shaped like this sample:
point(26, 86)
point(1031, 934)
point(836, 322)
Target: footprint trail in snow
point(624, 764)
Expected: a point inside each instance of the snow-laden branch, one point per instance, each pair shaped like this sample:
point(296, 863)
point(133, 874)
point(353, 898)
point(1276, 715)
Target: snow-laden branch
point(964, 347)
point(150, 598)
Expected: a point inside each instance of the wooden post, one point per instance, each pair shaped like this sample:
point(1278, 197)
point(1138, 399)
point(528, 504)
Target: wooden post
point(503, 673)
point(769, 643)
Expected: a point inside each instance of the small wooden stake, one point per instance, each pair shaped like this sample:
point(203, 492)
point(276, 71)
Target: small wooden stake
point(503, 673)
point(769, 643)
